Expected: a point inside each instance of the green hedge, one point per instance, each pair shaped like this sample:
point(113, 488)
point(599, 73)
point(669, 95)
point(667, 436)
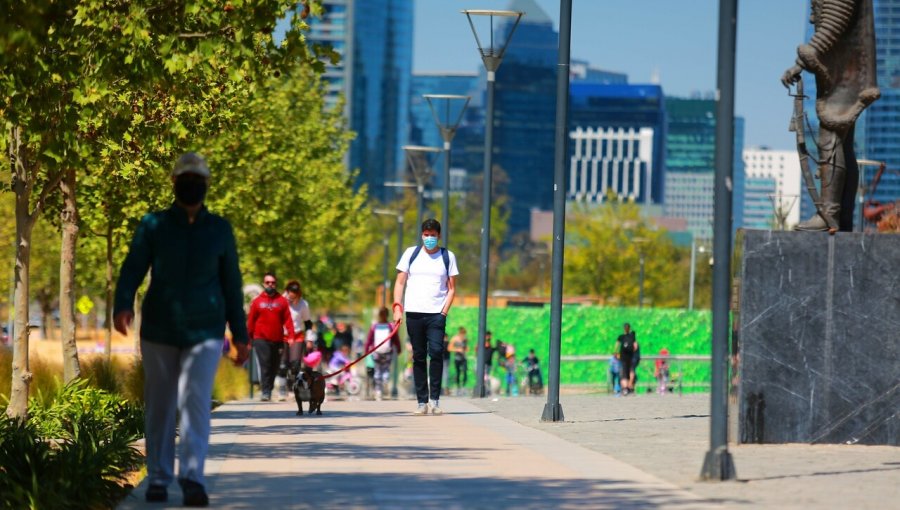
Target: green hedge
point(593, 330)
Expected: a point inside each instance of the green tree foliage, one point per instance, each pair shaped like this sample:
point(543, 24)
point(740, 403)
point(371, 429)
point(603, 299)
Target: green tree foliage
point(603, 249)
point(279, 178)
point(114, 86)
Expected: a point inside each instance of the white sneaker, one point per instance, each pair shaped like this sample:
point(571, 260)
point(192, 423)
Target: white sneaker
point(378, 396)
point(422, 410)
point(436, 408)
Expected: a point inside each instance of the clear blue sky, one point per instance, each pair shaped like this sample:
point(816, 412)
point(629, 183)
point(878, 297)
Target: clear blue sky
point(674, 38)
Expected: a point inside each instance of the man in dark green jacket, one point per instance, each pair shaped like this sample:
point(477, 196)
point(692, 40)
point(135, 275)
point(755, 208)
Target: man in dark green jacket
point(195, 289)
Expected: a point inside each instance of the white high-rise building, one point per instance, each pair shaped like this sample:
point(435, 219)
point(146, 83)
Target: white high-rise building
point(611, 160)
point(772, 182)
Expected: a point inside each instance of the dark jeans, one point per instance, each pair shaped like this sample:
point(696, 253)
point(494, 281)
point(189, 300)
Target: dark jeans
point(426, 334)
point(269, 356)
point(462, 368)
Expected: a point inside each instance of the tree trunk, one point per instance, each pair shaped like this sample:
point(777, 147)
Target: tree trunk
point(21, 375)
point(108, 312)
point(69, 217)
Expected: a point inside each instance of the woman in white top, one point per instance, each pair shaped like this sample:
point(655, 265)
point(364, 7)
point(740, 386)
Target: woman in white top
point(295, 350)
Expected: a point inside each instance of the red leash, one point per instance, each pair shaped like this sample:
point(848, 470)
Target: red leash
point(393, 332)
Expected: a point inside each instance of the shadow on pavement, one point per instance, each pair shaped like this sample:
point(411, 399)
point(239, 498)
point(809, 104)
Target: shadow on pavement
point(388, 490)
point(305, 450)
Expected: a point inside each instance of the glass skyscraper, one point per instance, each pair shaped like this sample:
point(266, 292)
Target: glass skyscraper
point(423, 129)
point(882, 118)
point(690, 164)
point(525, 112)
point(374, 39)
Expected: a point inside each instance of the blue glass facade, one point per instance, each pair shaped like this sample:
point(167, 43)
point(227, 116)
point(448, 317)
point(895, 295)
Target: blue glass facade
point(690, 164)
point(625, 107)
point(882, 124)
point(423, 129)
point(758, 209)
point(374, 38)
point(525, 114)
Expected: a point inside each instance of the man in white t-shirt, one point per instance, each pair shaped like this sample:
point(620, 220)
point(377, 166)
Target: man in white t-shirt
point(428, 275)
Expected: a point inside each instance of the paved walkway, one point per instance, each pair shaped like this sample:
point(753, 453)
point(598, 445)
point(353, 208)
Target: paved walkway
point(377, 455)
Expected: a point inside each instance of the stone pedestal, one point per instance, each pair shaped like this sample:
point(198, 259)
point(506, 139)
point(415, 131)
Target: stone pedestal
point(818, 341)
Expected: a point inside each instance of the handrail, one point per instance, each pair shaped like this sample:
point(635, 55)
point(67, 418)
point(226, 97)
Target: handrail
point(605, 357)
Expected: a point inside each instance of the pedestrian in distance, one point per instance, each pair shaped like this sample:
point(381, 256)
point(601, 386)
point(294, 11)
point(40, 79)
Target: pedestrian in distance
point(489, 385)
point(661, 371)
point(427, 274)
point(615, 371)
point(533, 368)
point(268, 320)
point(384, 353)
point(509, 363)
point(294, 346)
point(459, 347)
point(194, 292)
point(626, 347)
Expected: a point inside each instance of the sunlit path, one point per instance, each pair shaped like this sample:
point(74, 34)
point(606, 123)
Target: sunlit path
point(377, 455)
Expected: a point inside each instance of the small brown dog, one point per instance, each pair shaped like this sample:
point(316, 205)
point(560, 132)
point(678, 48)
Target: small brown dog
point(309, 387)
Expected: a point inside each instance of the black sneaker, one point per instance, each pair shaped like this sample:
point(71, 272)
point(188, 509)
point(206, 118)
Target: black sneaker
point(156, 494)
point(194, 493)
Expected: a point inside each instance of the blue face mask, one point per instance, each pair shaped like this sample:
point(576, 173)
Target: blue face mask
point(430, 242)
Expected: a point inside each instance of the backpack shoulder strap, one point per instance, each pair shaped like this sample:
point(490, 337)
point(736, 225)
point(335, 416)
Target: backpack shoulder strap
point(415, 254)
point(445, 254)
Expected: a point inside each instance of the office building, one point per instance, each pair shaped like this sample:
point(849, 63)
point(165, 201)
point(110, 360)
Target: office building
point(772, 184)
point(617, 142)
point(690, 164)
point(374, 39)
point(525, 112)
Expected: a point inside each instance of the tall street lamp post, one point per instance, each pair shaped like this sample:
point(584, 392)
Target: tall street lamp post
point(420, 162)
point(718, 463)
point(448, 131)
point(552, 409)
point(394, 184)
point(491, 57)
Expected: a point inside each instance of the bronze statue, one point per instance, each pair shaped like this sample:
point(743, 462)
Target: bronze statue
point(841, 55)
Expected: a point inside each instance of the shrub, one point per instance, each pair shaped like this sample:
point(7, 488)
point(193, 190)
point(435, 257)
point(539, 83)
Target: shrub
point(231, 382)
point(132, 387)
point(102, 373)
point(46, 379)
point(58, 419)
point(74, 454)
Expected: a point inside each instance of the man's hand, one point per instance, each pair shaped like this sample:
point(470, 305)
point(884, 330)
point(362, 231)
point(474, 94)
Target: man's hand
point(122, 321)
point(242, 353)
point(398, 313)
point(791, 76)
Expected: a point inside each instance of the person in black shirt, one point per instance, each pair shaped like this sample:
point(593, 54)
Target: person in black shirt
point(626, 347)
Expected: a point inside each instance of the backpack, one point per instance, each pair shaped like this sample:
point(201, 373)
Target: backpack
point(445, 254)
point(381, 332)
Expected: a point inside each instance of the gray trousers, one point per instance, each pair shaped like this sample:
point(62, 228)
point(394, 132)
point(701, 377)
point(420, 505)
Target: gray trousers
point(178, 383)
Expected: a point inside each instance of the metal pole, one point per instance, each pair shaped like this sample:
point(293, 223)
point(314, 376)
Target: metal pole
point(552, 409)
point(693, 272)
point(396, 362)
point(445, 216)
point(641, 283)
point(384, 272)
point(485, 236)
point(718, 464)
point(420, 205)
